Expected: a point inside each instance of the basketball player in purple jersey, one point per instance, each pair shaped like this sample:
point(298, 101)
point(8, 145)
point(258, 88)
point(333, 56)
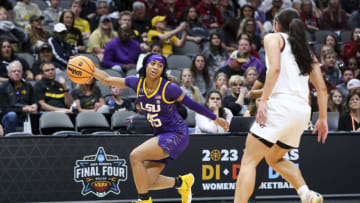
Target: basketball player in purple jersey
point(157, 97)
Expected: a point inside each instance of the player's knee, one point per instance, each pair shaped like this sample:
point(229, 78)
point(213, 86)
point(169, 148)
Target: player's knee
point(135, 156)
point(271, 160)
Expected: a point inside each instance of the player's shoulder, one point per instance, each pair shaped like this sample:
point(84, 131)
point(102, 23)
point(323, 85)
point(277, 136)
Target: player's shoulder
point(272, 36)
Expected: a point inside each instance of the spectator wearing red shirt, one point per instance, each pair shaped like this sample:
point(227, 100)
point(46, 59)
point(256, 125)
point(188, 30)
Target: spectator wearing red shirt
point(334, 17)
point(351, 48)
point(154, 8)
point(307, 15)
point(209, 14)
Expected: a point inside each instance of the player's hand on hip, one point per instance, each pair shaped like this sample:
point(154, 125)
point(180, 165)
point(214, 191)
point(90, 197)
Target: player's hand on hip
point(223, 123)
point(261, 114)
point(322, 127)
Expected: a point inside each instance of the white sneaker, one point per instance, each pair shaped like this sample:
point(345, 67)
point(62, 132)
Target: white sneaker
point(313, 197)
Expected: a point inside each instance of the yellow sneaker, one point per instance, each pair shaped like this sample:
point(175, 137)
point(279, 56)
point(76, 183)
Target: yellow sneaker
point(143, 201)
point(185, 189)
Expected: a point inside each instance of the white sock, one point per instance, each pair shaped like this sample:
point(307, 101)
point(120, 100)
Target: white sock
point(302, 191)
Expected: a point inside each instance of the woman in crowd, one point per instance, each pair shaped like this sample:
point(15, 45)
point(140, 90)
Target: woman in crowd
point(350, 121)
point(221, 84)
point(253, 106)
point(353, 64)
point(248, 25)
point(36, 32)
point(214, 104)
point(247, 11)
point(351, 48)
point(216, 54)
point(335, 102)
point(73, 35)
point(87, 97)
point(197, 30)
point(237, 102)
point(331, 40)
point(201, 75)
point(102, 35)
point(251, 76)
point(188, 88)
point(7, 55)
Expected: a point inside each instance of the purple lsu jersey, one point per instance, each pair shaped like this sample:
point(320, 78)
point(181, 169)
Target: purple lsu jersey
point(161, 113)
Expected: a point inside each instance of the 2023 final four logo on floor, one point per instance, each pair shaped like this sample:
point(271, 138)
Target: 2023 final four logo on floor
point(100, 173)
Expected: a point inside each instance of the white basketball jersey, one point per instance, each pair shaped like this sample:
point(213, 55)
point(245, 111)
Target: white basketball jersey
point(290, 81)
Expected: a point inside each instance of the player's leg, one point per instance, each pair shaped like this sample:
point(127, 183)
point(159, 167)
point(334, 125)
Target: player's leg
point(291, 173)
point(157, 181)
point(149, 150)
point(255, 151)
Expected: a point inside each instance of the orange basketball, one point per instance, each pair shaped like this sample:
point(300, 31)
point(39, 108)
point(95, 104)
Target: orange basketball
point(80, 69)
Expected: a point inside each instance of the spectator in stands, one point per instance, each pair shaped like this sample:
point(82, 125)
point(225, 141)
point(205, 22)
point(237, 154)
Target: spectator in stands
point(253, 106)
point(188, 88)
point(248, 26)
point(38, 35)
point(354, 20)
point(17, 98)
point(245, 48)
point(51, 14)
point(73, 35)
point(269, 23)
point(139, 21)
point(214, 104)
point(101, 36)
point(247, 11)
point(200, 73)
point(347, 75)
point(333, 17)
point(7, 55)
point(308, 16)
point(253, 52)
point(353, 64)
point(350, 121)
point(331, 40)
point(116, 102)
point(250, 76)
point(154, 8)
point(332, 71)
point(221, 84)
point(102, 9)
point(351, 48)
point(8, 6)
point(173, 14)
point(61, 49)
point(335, 102)
point(45, 55)
point(155, 48)
point(259, 14)
point(237, 59)
point(228, 9)
point(88, 97)
point(9, 30)
point(23, 10)
point(1, 130)
point(236, 102)
point(209, 14)
point(229, 34)
point(216, 54)
point(79, 22)
point(88, 9)
point(268, 4)
point(197, 30)
point(122, 53)
point(51, 94)
point(167, 38)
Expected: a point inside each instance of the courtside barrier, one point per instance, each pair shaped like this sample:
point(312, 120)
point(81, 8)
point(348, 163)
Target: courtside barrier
point(74, 168)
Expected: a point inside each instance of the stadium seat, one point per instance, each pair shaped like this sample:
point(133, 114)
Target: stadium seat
point(118, 120)
point(332, 119)
point(89, 122)
point(179, 62)
point(131, 72)
point(66, 133)
point(51, 122)
point(321, 34)
point(18, 134)
point(241, 124)
point(345, 35)
point(174, 72)
point(27, 57)
point(140, 125)
point(190, 49)
point(190, 120)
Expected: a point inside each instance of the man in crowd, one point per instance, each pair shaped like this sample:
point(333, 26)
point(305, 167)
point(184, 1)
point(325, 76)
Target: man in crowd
point(51, 94)
point(17, 98)
point(237, 59)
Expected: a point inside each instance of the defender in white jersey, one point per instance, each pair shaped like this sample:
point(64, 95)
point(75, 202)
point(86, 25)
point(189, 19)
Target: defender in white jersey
point(284, 112)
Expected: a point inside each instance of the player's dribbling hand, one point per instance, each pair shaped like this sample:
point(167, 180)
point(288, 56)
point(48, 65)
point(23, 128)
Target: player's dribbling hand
point(223, 123)
point(321, 126)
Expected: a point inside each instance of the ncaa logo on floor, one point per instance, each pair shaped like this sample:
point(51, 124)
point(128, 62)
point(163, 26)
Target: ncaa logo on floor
point(100, 173)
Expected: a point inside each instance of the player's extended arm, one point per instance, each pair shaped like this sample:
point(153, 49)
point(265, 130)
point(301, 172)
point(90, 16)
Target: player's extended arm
point(201, 109)
point(106, 79)
point(322, 98)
